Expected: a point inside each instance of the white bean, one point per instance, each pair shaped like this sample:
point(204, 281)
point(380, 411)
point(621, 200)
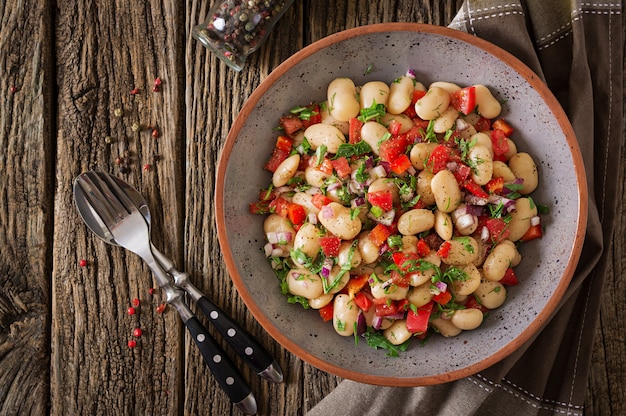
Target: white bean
point(372, 133)
point(523, 166)
point(498, 261)
point(448, 86)
point(327, 118)
point(397, 332)
point(424, 187)
point(374, 92)
point(286, 170)
point(345, 314)
point(384, 290)
point(491, 294)
point(483, 164)
point(277, 225)
point(467, 319)
point(502, 170)
point(446, 191)
point(321, 301)
point(468, 286)
point(525, 209)
point(306, 200)
point(385, 184)
point(445, 327)
point(324, 135)
point(315, 177)
point(486, 104)
point(405, 121)
point(482, 139)
point(337, 219)
point(400, 95)
point(307, 240)
point(344, 255)
point(463, 251)
point(416, 221)
point(420, 295)
point(368, 250)
point(336, 280)
point(433, 104)
point(301, 282)
point(342, 100)
point(420, 153)
point(446, 120)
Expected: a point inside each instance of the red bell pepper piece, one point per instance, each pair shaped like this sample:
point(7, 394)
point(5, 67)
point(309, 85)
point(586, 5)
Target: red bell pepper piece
point(438, 159)
point(499, 142)
point(379, 234)
point(354, 130)
point(296, 214)
point(443, 298)
point(417, 321)
point(501, 124)
point(475, 189)
point(327, 312)
point(401, 164)
point(495, 186)
point(423, 249)
point(535, 231)
point(362, 301)
point(356, 284)
point(284, 143)
point(444, 249)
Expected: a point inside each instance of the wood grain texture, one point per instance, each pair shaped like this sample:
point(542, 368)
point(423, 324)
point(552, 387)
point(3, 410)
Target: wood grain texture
point(64, 328)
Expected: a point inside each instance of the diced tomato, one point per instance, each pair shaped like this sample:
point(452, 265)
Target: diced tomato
point(382, 199)
point(535, 231)
point(392, 148)
point(415, 134)
point(404, 261)
point(461, 172)
point(444, 249)
point(417, 322)
point(363, 301)
point(483, 124)
point(354, 130)
point(417, 94)
point(501, 124)
point(443, 298)
point(291, 124)
point(315, 117)
point(423, 249)
point(498, 229)
point(379, 234)
point(499, 142)
point(330, 245)
point(327, 312)
point(475, 189)
point(284, 143)
point(342, 167)
point(394, 127)
point(473, 303)
point(401, 164)
point(510, 278)
point(280, 206)
point(495, 186)
point(260, 207)
point(387, 308)
point(319, 200)
point(296, 214)
point(438, 159)
point(278, 156)
point(325, 167)
point(356, 284)
point(464, 100)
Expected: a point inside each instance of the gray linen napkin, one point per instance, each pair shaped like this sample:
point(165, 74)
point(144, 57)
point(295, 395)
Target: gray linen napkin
point(576, 47)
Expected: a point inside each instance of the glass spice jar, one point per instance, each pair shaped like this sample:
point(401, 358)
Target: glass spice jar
point(233, 29)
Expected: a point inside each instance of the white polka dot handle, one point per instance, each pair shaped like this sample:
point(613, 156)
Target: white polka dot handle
point(223, 369)
point(244, 344)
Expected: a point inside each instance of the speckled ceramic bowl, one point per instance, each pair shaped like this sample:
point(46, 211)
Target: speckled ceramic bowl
point(435, 53)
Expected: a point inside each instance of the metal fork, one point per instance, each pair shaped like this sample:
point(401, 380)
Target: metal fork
point(130, 230)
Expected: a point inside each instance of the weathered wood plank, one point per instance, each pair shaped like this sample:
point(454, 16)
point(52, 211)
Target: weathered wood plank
point(26, 198)
point(103, 53)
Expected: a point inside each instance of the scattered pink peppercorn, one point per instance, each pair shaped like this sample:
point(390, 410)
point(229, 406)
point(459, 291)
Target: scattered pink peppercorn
point(82, 263)
point(13, 89)
point(132, 343)
point(157, 81)
point(151, 291)
point(131, 310)
point(134, 91)
point(155, 133)
point(137, 332)
point(147, 166)
point(161, 308)
point(136, 302)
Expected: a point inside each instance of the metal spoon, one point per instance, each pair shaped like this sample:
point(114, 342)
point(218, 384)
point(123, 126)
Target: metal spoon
point(244, 344)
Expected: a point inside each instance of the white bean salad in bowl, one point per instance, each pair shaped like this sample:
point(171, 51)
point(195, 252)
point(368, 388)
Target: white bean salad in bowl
point(400, 204)
point(396, 209)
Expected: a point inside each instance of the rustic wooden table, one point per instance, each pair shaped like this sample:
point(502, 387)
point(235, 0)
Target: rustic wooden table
point(67, 72)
